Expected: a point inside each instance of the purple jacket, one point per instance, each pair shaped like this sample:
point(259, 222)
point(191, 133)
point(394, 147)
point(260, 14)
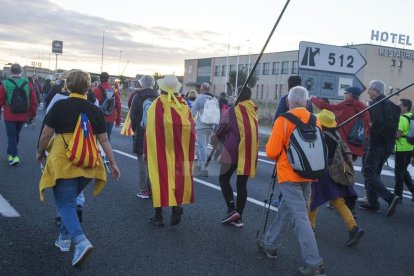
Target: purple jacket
point(228, 133)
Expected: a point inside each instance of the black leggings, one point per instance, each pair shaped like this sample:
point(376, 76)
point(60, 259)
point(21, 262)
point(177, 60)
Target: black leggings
point(226, 171)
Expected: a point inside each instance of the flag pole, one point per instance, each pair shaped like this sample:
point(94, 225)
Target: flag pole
point(253, 71)
point(371, 106)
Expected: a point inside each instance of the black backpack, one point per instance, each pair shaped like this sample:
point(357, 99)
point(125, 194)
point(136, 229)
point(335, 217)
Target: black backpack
point(356, 136)
point(107, 105)
point(19, 101)
point(391, 119)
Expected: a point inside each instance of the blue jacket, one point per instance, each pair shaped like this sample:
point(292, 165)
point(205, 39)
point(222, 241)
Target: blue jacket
point(283, 107)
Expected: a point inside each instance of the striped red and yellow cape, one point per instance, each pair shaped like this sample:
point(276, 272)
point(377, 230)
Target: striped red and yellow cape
point(126, 129)
point(247, 121)
point(170, 142)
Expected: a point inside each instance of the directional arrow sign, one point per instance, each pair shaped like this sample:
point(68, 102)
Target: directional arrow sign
point(329, 58)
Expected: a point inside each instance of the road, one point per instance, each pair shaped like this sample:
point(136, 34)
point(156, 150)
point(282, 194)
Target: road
point(125, 243)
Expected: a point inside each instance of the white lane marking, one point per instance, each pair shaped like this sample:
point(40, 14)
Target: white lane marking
point(6, 209)
point(208, 184)
point(405, 193)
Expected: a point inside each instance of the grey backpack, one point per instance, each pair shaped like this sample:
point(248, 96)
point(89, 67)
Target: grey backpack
point(307, 152)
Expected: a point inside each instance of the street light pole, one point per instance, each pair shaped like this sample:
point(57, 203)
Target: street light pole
point(103, 44)
point(237, 72)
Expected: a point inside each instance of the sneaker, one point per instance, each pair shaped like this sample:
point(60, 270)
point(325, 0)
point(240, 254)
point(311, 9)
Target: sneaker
point(15, 161)
point(177, 211)
point(329, 205)
point(275, 203)
point(270, 252)
point(204, 173)
point(369, 208)
point(63, 244)
point(363, 200)
point(9, 158)
point(157, 220)
point(312, 270)
point(82, 251)
point(143, 195)
point(392, 206)
point(232, 216)
point(79, 213)
point(354, 236)
point(237, 223)
point(58, 221)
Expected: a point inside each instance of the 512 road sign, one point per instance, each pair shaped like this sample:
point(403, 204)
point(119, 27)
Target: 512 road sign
point(329, 58)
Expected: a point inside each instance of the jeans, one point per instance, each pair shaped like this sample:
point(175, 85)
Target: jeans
point(226, 171)
point(402, 160)
point(373, 160)
point(143, 180)
point(293, 206)
point(109, 127)
point(13, 136)
point(65, 192)
point(203, 138)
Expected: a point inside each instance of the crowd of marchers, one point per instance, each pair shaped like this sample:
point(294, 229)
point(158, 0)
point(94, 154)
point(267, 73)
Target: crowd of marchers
point(172, 132)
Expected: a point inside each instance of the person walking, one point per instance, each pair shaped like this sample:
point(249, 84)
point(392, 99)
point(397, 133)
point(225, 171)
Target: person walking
point(403, 151)
point(326, 189)
point(169, 150)
point(381, 143)
point(238, 131)
point(295, 189)
point(136, 114)
point(67, 178)
point(16, 111)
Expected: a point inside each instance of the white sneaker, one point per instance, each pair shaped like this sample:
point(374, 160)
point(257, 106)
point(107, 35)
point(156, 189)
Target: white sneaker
point(363, 200)
point(63, 244)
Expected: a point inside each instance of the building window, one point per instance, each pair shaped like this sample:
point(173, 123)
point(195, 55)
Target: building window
point(241, 67)
point(223, 70)
point(280, 90)
point(275, 68)
point(285, 67)
point(258, 69)
point(266, 68)
point(261, 92)
point(294, 67)
point(257, 92)
point(232, 68)
point(217, 70)
point(276, 92)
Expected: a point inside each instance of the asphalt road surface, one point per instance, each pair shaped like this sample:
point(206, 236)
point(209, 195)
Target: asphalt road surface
point(116, 222)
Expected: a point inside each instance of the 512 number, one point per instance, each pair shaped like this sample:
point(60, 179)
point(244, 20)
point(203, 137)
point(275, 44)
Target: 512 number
point(349, 59)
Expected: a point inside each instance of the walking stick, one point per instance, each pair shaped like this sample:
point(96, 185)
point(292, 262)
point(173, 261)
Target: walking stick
point(254, 68)
point(371, 106)
point(268, 202)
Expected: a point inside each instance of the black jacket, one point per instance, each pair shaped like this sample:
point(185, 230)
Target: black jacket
point(136, 117)
point(380, 114)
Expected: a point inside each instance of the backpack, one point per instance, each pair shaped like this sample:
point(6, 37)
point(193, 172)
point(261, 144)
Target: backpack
point(356, 136)
point(107, 105)
point(145, 105)
point(19, 100)
point(392, 114)
point(307, 152)
point(211, 112)
point(410, 134)
point(341, 170)
point(82, 149)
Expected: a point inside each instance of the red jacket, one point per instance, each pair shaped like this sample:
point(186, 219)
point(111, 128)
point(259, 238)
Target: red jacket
point(116, 115)
point(343, 111)
point(18, 117)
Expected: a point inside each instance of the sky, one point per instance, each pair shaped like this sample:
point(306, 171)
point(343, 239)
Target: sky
point(144, 37)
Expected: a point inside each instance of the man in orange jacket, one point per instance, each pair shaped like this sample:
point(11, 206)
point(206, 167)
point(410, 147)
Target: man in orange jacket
point(295, 189)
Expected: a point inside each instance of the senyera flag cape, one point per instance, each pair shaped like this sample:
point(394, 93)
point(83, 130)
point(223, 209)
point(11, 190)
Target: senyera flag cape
point(126, 129)
point(247, 121)
point(82, 149)
point(170, 142)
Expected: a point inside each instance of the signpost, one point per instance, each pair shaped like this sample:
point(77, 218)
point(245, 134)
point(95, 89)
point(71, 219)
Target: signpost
point(326, 70)
point(57, 48)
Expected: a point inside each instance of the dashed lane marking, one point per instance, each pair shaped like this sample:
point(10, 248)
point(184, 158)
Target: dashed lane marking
point(6, 209)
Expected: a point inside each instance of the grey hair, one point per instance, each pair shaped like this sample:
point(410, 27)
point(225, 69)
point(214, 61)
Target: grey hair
point(205, 87)
point(377, 85)
point(298, 97)
point(146, 81)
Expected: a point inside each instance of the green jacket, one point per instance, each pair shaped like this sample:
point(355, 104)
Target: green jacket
point(404, 126)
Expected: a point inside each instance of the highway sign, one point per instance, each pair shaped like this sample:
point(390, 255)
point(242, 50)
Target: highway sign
point(57, 46)
point(329, 58)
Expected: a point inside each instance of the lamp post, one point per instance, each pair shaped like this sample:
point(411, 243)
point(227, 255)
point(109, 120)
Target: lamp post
point(103, 44)
point(250, 51)
point(237, 71)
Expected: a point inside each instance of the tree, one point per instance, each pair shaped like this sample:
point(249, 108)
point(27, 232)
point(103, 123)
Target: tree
point(241, 78)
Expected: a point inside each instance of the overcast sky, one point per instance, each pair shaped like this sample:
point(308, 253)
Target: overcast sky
point(157, 36)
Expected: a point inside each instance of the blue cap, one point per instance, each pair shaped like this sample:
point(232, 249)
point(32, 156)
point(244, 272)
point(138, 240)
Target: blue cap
point(355, 91)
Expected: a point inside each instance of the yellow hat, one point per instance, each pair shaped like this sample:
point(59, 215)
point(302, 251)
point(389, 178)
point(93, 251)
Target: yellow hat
point(327, 118)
